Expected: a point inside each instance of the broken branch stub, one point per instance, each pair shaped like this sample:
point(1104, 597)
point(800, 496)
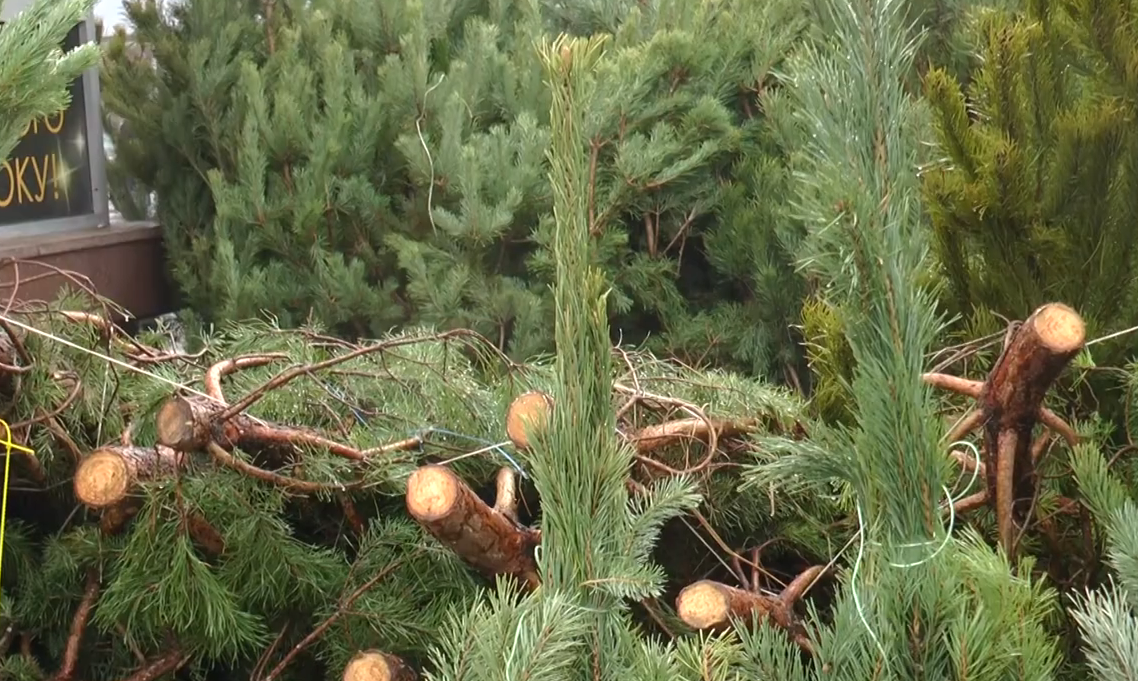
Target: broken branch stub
point(526, 416)
point(372, 665)
point(487, 539)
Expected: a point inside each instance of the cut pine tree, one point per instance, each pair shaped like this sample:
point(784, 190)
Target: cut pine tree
point(487, 539)
point(108, 476)
point(526, 416)
point(108, 479)
point(708, 604)
point(372, 665)
point(1009, 404)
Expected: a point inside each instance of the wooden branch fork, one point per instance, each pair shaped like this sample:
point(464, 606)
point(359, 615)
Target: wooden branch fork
point(490, 539)
point(1009, 404)
point(194, 423)
point(708, 604)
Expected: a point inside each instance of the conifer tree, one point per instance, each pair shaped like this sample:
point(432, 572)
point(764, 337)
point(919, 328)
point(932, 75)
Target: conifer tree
point(596, 541)
point(1107, 616)
point(1033, 199)
point(35, 71)
point(444, 213)
point(916, 601)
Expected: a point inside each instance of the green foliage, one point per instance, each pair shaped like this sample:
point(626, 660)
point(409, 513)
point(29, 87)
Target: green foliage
point(289, 562)
point(35, 73)
point(1108, 616)
point(916, 602)
point(1034, 199)
point(376, 168)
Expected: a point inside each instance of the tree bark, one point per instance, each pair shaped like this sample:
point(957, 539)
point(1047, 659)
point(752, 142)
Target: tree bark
point(485, 538)
point(191, 423)
point(708, 604)
point(108, 478)
point(664, 434)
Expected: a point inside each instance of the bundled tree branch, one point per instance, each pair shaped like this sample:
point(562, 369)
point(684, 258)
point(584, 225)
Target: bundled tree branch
point(189, 423)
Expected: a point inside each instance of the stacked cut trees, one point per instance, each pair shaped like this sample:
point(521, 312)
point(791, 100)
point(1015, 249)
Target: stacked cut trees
point(292, 463)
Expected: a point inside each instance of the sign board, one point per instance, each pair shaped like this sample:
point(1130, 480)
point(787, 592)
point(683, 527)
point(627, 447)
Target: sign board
point(55, 178)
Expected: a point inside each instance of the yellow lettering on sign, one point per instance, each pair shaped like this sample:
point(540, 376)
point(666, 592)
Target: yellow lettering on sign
point(54, 129)
point(53, 124)
point(28, 179)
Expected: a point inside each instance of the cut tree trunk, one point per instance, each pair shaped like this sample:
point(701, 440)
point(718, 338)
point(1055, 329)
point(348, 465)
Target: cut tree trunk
point(1010, 404)
point(108, 476)
point(485, 538)
point(190, 423)
point(372, 665)
point(708, 604)
point(107, 480)
point(526, 416)
point(1013, 394)
point(711, 605)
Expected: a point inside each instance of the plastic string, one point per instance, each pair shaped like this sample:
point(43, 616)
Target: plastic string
point(951, 501)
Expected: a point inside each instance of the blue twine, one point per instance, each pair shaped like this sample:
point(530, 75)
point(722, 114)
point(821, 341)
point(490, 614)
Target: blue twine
point(476, 440)
point(339, 394)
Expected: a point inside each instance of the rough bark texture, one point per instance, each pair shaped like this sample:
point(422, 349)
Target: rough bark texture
point(526, 415)
point(107, 476)
point(191, 423)
point(372, 665)
point(1011, 399)
point(485, 538)
point(708, 604)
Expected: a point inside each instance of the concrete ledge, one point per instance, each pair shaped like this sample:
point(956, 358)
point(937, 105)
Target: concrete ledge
point(30, 247)
point(125, 261)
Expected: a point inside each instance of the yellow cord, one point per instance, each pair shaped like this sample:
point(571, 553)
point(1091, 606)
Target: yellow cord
point(9, 446)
